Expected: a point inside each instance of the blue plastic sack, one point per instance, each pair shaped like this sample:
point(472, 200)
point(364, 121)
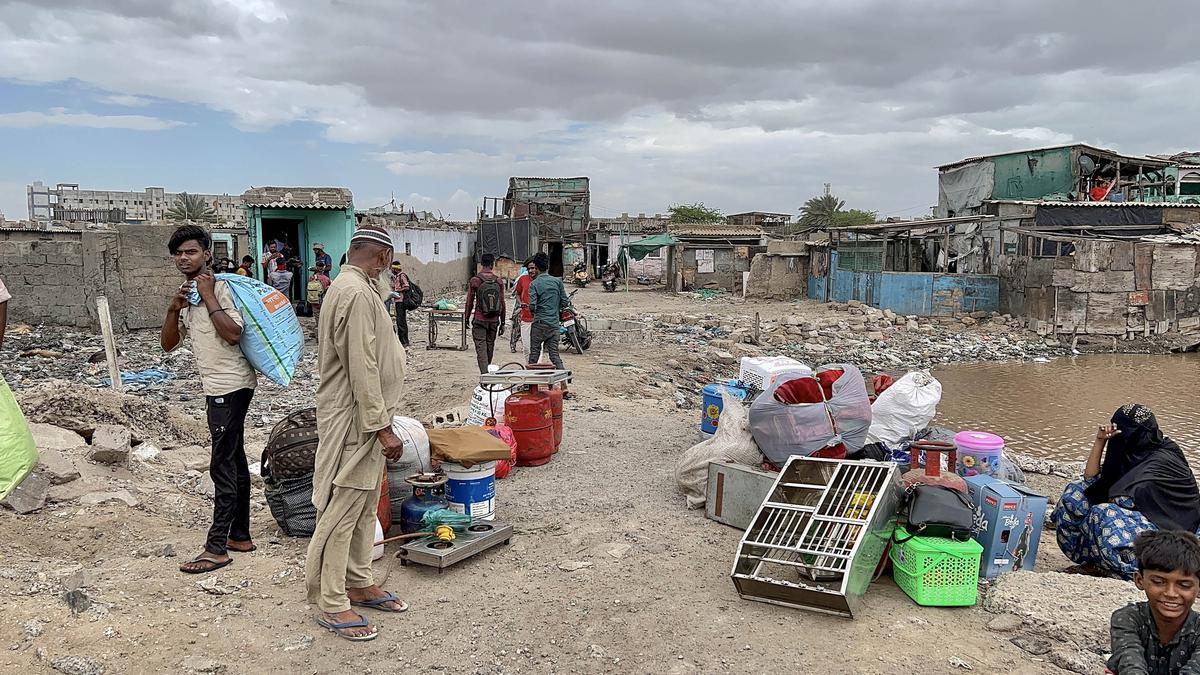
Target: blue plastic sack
point(18, 453)
point(271, 336)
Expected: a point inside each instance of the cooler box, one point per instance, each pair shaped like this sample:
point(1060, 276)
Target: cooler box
point(1008, 524)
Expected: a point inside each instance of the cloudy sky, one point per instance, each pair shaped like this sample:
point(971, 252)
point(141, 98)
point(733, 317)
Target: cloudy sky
point(741, 105)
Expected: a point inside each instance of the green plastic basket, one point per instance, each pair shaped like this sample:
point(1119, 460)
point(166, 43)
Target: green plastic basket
point(937, 572)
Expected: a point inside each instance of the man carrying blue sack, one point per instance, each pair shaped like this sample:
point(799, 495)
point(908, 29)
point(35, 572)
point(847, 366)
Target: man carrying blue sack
point(214, 327)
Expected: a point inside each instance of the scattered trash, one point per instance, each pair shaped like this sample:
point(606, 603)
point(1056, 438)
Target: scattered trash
point(573, 565)
point(77, 600)
point(148, 376)
point(956, 662)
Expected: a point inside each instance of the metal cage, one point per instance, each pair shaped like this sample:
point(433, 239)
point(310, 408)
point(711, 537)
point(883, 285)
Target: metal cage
point(817, 539)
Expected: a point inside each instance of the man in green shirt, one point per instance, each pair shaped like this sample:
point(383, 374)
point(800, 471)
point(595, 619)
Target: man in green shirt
point(547, 300)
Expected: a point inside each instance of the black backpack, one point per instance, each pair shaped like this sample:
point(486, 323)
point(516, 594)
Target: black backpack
point(413, 297)
point(489, 296)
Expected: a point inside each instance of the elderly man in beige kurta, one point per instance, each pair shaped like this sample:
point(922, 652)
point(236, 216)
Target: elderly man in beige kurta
point(361, 364)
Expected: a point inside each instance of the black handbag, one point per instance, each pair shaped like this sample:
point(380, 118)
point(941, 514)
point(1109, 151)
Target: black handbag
point(938, 511)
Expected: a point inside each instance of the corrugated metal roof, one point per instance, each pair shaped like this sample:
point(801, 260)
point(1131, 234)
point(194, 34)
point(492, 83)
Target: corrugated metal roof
point(298, 197)
point(714, 230)
point(1092, 148)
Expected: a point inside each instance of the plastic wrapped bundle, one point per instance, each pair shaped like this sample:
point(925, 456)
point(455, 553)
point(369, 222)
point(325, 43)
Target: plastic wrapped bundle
point(825, 413)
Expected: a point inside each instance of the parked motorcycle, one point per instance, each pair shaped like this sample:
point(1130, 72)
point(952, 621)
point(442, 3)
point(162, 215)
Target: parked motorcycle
point(574, 330)
point(611, 273)
point(580, 275)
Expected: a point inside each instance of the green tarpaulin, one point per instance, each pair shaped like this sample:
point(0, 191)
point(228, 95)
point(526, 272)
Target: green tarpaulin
point(643, 247)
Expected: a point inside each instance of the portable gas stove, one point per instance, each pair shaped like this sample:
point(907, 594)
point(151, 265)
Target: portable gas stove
point(524, 377)
point(480, 536)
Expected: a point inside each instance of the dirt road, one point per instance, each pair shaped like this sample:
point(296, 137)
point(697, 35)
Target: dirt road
point(655, 597)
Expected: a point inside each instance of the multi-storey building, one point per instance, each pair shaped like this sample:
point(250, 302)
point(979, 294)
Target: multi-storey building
point(66, 201)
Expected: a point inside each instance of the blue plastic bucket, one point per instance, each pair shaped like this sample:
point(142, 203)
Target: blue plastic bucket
point(710, 412)
point(471, 491)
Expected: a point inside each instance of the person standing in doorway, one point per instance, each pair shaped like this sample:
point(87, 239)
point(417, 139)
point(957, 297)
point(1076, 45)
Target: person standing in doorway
point(281, 279)
point(400, 286)
point(484, 311)
point(271, 260)
point(361, 364)
point(318, 283)
point(210, 319)
point(246, 266)
point(320, 257)
point(547, 300)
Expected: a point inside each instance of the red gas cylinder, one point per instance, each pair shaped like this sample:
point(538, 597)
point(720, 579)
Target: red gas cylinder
point(556, 404)
point(529, 416)
point(932, 473)
point(384, 510)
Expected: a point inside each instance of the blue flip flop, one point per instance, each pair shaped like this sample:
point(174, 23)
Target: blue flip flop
point(337, 628)
point(378, 603)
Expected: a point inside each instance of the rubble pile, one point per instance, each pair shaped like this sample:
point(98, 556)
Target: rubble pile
point(870, 338)
point(1062, 617)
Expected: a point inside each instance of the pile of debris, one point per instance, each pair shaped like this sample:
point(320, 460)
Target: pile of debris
point(852, 333)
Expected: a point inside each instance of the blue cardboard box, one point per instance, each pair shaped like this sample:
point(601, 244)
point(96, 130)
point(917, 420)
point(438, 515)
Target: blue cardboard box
point(1008, 524)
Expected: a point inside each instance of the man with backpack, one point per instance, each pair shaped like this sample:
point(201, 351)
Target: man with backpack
point(401, 285)
point(485, 297)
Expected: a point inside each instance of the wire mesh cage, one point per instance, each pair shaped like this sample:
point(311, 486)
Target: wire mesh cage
point(819, 535)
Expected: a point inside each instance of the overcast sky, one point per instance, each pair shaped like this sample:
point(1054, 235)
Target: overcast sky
point(741, 105)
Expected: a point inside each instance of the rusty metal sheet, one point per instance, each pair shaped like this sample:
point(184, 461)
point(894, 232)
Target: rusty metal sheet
point(1103, 282)
point(1039, 303)
point(1071, 311)
point(1174, 267)
point(1143, 266)
point(1122, 257)
point(1156, 310)
point(1139, 298)
point(1106, 313)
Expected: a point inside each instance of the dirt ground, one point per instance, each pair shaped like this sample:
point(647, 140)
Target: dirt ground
point(656, 597)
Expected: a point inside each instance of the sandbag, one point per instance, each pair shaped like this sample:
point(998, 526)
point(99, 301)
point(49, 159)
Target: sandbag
point(829, 428)
point(18, 452)
point(414, 460)
point(466, 446)
point(904, 408)
point(733, 442)
point(271, 337)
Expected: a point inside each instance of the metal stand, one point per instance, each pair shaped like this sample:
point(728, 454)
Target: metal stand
point(545, 378)
point(449, 317)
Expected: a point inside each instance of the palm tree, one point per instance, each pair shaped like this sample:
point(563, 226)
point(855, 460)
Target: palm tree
point(191, 207)
point(819, 212)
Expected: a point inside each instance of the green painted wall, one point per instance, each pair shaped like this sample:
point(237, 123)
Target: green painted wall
point(333, 228)
point(1033, 175)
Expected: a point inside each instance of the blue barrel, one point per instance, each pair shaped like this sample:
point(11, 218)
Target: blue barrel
point(710, 413)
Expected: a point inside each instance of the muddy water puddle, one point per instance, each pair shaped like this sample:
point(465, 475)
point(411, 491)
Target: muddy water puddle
point(1052, 409)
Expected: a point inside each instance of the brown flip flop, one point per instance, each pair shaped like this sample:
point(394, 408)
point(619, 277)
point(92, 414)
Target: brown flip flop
point(207, 565)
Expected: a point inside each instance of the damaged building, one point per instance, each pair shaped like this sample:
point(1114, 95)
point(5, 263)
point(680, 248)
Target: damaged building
point(1094, 268)
point(537, 214)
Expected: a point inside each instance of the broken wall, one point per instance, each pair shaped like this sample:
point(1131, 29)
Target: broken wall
point(778, 276)
point(440, 260)
point(1118, 288)
point(56, 276)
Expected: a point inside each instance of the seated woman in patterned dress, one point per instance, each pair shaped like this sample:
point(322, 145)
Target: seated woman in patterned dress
point(1144, 483)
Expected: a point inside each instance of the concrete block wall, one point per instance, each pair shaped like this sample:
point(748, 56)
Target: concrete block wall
point(55, 277)
point(44, 273)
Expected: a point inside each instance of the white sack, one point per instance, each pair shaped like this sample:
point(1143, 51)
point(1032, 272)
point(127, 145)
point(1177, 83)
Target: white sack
point(732, 443)
point(904, 408)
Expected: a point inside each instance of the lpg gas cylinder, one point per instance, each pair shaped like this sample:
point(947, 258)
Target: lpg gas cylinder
point(556, 404)
point(932, 474)
point(428, 493)
point(529, 416)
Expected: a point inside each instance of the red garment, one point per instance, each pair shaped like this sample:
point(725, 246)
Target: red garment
point(476, 282)
point(1099, 193)
point(799, 390)
point(399, 282)
point(522, 292)
point(324, 281)
point(881, 382)
point(827, 378)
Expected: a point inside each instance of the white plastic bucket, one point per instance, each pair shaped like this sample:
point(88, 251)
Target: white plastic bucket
point(472, 491)
point(485, 403)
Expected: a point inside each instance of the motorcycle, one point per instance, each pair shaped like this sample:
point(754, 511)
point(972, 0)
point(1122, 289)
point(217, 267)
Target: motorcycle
point(580, 276)
point(609, 280)
point(574, 330)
